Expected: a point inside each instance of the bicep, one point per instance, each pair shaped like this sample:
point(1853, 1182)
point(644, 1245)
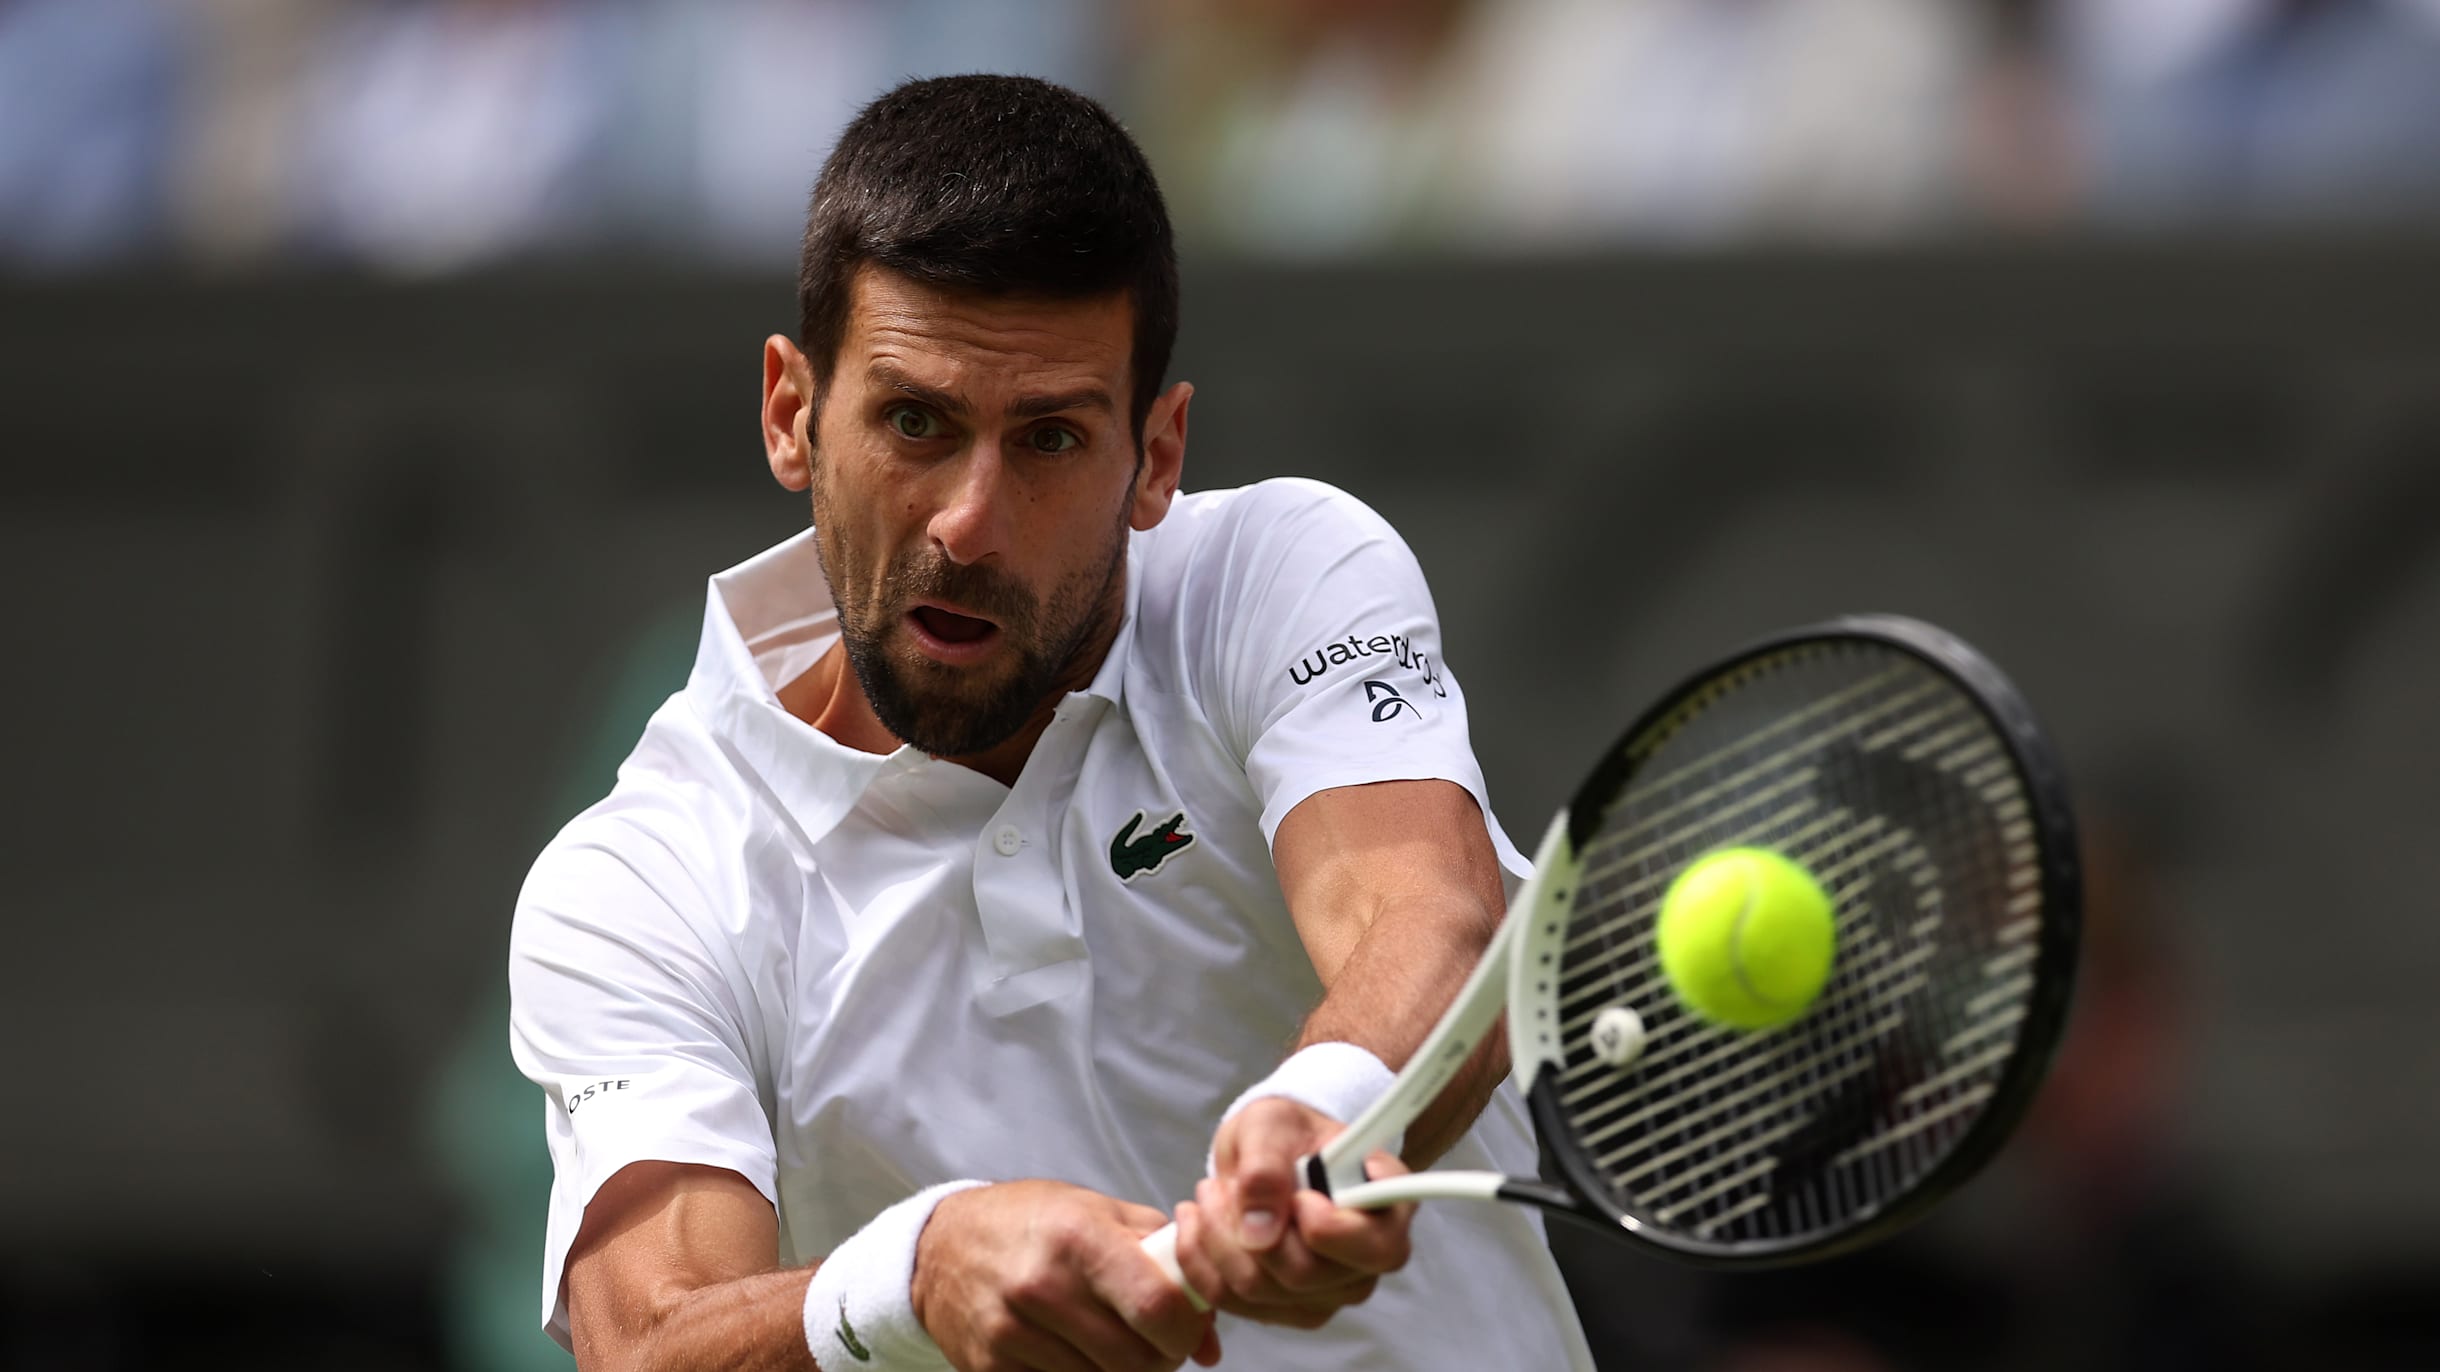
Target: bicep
point(1348, 854)
point(641, 1038)
point(653, 1235)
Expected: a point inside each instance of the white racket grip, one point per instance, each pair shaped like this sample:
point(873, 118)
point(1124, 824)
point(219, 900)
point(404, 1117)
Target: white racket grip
point(1161, 1246)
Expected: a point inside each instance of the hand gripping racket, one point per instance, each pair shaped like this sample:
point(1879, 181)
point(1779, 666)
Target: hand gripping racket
point(1907, 775)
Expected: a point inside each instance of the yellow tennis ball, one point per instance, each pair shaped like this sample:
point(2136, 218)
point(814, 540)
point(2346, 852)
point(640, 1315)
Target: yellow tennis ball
point(1746, 938)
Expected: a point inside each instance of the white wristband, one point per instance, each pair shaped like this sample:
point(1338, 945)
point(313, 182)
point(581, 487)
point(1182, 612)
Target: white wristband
point(1338, 1079)
point(860, 1309)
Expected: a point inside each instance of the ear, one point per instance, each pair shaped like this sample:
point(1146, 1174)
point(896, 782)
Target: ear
point(787, 413)
point(1164, 456)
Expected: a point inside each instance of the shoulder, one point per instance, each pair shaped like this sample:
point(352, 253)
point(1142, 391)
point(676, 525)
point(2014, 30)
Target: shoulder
point(1235, 583)
point(1228, 549)
point(654, 855)
point(1237, 522)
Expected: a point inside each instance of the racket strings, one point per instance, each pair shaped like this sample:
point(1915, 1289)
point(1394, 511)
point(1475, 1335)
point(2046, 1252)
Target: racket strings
point(1833, 1069)
point(1887, 782)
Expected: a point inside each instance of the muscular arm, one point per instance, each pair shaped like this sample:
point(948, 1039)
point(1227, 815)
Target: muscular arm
point(1396, 890)
point(676, 1269)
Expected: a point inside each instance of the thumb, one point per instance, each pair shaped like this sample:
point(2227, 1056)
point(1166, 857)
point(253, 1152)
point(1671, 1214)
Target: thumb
point(1271, 1135)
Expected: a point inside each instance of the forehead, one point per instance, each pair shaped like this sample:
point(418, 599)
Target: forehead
point(971, 338)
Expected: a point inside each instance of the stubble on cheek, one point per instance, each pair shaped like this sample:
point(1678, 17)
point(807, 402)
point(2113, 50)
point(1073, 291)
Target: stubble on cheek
point(945, 710)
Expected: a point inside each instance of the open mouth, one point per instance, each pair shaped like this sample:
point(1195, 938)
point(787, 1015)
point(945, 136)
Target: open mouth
point(948, 634)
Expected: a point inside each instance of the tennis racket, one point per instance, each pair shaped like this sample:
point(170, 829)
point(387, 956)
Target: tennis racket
point(1903, 770)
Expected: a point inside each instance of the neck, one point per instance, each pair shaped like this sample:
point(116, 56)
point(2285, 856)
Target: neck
point(830, 698)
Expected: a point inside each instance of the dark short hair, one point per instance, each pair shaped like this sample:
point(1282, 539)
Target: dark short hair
point(1004, 185)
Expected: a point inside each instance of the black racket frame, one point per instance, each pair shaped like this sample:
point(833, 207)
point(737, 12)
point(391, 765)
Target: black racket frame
point(1585, 1196)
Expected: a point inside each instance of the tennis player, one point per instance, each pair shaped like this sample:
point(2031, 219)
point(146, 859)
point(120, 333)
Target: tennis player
point(1015, 821)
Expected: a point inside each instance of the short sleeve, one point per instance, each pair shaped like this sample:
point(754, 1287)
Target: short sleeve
point(1328, 655)
point(629, 1022)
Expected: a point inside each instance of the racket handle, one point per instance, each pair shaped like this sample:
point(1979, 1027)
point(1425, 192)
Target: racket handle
point(1162, 1247)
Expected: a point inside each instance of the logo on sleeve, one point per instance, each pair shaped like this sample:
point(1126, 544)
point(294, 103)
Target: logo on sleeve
point(599, 1088)
point(1131, 856)
point(1398, 648)
point(1386, 702)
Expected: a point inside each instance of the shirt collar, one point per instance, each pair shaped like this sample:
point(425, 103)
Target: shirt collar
point(768, 619)
point(765, 621)
point(1110, 682)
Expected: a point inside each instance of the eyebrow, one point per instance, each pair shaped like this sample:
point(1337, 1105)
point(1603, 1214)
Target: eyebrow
point(1027, 407)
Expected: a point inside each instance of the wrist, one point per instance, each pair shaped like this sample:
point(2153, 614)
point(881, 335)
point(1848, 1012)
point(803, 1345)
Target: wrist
point(1340, 1080)
point(860, 1307)
point(920, 1287)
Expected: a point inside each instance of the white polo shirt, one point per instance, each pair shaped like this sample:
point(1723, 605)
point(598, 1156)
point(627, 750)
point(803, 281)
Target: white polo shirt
point(847, 976)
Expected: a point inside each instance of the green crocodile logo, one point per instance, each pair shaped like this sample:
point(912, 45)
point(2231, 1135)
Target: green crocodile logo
point(1131, 857)
point(847, 1335)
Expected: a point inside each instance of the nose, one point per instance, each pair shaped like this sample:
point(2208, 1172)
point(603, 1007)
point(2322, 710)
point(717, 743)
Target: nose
point(971, 522)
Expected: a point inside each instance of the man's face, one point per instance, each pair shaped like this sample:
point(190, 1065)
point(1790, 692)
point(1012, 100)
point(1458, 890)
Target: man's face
point(973, 478)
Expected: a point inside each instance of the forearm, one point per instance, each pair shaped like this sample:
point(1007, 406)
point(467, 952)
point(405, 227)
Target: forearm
point(750, 1324)
point(1397, 889)
point(1401, 974)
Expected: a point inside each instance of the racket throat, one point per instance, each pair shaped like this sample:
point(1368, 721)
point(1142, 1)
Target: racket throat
point(1445, 1186)
point(1544, 1196)
point(1316, 1171)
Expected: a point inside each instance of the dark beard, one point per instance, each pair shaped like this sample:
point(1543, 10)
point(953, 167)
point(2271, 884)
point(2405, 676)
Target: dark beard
point(942, 710)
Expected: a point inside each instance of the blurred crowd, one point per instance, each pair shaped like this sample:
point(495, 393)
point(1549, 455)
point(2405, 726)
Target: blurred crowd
point(428, 135)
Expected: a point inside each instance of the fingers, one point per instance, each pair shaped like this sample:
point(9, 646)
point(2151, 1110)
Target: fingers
point(1326, 1257)
point(1052, 1277)
point(1256, 1243)
point(1132, 1286)
point(1355, 1245)
point(1095, 1338)
point(1194, 1242)
point(1371, 1241)
point(1023, 1346)
point(1265, 1140)
point(1286, 1283)
point(1199, 1274)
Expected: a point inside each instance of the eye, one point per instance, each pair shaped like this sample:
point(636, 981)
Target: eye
point(913, 422)
point(1056, 440)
